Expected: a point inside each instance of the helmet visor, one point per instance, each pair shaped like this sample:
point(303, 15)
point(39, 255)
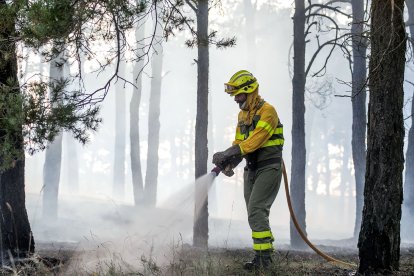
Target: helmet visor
point(230, 89)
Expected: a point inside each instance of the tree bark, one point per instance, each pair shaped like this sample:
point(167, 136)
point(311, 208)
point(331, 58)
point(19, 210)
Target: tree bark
point(297, 185)
point(359, 121)
point(151, 176)
point(200, 231)
point(137, 181)
point(379, 239)
point(409, 163)
point(53, 154)
point(120, 139)
point(15, 232)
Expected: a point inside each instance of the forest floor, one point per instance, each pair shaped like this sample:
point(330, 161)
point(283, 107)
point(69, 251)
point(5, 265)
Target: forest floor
point(58, 260)
point(98, 238)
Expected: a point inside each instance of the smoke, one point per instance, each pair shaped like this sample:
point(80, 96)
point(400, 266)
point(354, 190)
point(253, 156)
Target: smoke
point(104, 230)
point(105, 233)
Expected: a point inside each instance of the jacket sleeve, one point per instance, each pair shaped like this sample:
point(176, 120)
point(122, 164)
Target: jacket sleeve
point(238, 137)
point(265, 128)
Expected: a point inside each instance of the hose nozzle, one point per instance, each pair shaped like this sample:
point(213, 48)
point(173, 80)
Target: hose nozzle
point(227, 170)
point(216, 170)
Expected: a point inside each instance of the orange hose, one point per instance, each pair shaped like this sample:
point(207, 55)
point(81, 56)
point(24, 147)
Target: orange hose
point(304, 237)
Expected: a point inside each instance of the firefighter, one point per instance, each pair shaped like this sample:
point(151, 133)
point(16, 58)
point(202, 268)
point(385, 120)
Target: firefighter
point(259, 139)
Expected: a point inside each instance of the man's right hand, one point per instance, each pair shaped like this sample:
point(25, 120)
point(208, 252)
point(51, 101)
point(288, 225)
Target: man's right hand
point(229, 159)
point(223, 157)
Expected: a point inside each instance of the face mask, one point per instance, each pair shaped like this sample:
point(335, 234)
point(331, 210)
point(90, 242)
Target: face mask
point(243, 105)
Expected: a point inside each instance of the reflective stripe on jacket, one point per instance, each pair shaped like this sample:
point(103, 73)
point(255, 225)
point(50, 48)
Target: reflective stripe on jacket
point(265, 133)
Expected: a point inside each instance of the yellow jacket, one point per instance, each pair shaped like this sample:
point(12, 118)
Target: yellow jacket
point(267, 121)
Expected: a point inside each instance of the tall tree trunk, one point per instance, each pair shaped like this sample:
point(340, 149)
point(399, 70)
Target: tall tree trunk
point(409, 163)
point(379, 239)
point(200, 231)
point(328, 173)
point(151, 176)
point(345, 172)
point(15, 233)
point(72, 163)
point(51, 177)
point(191, 147)
point(120, 138)
point(359, 121)
point(53, 154)
point(297, 185)
point(175, 151)
point(137, 182)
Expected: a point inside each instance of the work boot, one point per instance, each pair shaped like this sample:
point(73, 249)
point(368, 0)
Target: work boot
point(259, 262)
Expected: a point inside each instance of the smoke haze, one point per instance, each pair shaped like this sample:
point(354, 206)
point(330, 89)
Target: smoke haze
point(93, 220)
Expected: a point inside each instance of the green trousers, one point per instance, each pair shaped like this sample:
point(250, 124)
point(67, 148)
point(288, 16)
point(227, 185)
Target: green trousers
point(260, 189)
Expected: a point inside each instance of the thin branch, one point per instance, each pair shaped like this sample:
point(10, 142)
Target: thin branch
point(191, 6)
point(308, 28)
point(329, 42)
point(182, 16)
point(322, 6)
point(337, 1)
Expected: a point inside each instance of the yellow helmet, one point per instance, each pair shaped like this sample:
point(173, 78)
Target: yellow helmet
point(241, 82)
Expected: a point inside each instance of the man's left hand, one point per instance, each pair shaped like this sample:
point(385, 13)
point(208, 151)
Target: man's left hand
point(219, 159)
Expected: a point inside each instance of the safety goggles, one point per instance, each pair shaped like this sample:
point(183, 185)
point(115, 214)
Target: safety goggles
point(230, 88)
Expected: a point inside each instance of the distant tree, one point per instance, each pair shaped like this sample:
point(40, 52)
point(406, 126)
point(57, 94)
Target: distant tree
point(151, 176)
point(359, 121)
point(53, 154)
point(202, 39)
point(322, 18)
point(70, 154)
point(356, 55)
point(30, 117)
point(379, 239)
point(409, 163)
point(297, 184)
point(200, 236)
point(120, 137)
point(345, 173)
point(137, 181)
point(328, 172)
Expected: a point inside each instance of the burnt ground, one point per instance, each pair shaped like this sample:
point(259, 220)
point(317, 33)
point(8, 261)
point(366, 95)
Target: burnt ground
point(287, 262)
point(54, 259)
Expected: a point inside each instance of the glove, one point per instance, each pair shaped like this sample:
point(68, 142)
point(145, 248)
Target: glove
point(230, 156)
point(219, 159)
point(228, 170)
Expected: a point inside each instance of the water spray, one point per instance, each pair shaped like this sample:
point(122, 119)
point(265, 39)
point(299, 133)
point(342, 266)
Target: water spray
point(228, 171)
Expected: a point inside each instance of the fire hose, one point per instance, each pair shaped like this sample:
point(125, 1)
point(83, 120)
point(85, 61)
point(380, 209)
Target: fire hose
point(299, 229)
point(227, 170)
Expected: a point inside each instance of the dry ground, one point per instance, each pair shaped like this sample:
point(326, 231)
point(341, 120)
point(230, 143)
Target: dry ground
point(55, 259)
